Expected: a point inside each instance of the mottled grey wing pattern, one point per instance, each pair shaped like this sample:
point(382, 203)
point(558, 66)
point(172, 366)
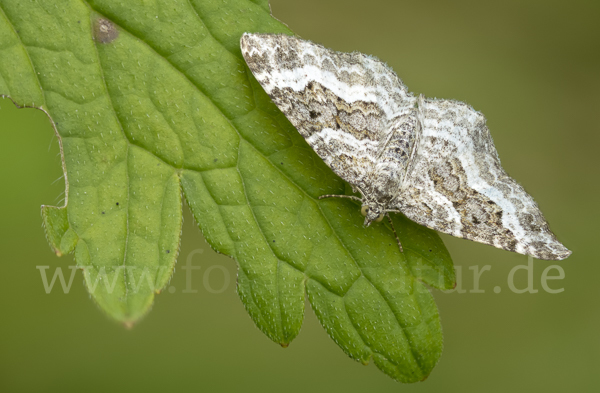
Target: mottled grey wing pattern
point(348, 106)
point(456, 185)
point(436, 163)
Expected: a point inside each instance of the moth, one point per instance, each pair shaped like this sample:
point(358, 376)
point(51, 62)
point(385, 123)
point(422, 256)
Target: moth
point(432, 160)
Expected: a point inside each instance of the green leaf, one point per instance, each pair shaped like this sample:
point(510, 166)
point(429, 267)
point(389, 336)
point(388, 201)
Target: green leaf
point(58, 232)
point(149, 101)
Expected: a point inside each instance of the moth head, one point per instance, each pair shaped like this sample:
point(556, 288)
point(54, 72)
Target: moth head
point(372, 213)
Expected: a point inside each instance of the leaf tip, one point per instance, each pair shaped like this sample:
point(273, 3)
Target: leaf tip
point(129, 324)
point(60, 236)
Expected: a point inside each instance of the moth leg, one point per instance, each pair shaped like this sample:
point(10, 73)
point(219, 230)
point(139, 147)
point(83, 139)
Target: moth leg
point(395, 234)
point(341, 196)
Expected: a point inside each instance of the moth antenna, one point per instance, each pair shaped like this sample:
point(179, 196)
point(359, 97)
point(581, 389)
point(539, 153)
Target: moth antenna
point(341, 196)
point(395, 234)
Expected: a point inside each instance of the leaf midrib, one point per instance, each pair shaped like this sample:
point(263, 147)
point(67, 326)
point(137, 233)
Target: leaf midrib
point(126, 159)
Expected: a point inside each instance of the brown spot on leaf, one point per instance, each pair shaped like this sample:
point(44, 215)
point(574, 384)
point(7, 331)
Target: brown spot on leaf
point(105, 31)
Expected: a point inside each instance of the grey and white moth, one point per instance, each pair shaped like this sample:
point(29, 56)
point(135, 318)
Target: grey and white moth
point(432, 160)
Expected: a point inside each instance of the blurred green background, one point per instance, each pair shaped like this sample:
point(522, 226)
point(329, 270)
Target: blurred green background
point(532, 67)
